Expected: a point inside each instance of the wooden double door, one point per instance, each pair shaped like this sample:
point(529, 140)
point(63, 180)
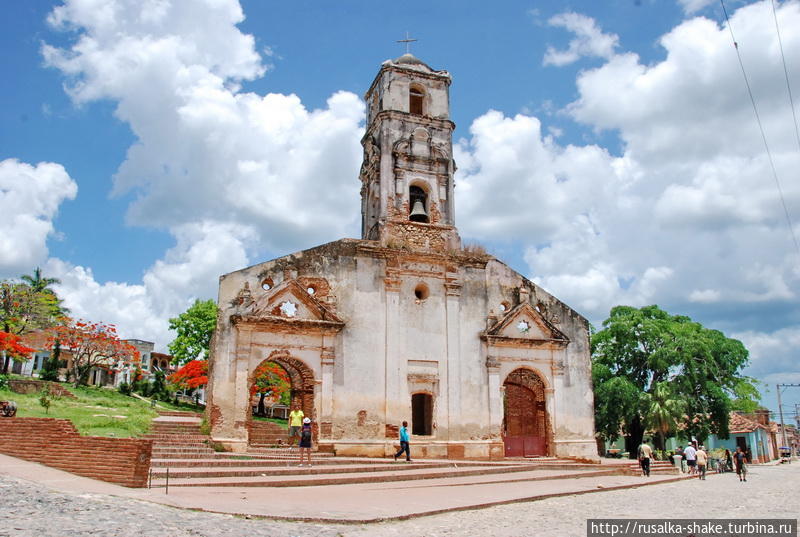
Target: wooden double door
point(525, 423)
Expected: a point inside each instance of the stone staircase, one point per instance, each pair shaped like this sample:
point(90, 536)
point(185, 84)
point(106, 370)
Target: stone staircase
point(267, 433)
point(182, 457)
point(656, 467)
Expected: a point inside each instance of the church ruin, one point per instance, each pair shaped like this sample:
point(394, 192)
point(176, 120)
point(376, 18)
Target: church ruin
point(404, 323)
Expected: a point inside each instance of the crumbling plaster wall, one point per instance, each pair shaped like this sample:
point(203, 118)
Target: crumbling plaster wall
point(394, 344)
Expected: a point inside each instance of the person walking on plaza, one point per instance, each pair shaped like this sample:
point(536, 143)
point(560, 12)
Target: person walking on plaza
point(728, 461)
point(702, 459)
point(691, 458)
point(305, 440)
point(739, 460)
point(645, 454)
point(404, 446)
point(295, 423)
point(682, 455)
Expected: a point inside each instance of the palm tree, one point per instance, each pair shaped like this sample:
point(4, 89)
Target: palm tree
point(663, 410)
point(37, 282)
point(41, 285)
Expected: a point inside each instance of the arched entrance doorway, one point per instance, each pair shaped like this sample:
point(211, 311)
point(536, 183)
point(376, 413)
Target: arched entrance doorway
point(301, 383)
point(526, 430)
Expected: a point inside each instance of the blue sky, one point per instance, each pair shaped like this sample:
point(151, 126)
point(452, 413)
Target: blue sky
point(607, 150)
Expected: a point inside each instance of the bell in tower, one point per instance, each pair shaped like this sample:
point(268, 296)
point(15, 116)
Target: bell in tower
point(407, 172)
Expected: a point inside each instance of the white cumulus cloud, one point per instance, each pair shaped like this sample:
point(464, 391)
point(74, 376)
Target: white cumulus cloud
point(589, 40)
point(230, 174)
point(30, 196)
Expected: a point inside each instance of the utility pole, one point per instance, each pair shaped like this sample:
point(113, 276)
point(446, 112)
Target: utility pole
point(780, 388)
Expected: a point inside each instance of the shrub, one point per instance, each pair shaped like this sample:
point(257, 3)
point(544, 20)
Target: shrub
point(45, 401)
point(3, 381)
point(124, 388)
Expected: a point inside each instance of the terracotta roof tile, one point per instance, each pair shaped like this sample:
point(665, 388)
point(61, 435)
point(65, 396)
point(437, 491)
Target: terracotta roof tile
point(739, 424)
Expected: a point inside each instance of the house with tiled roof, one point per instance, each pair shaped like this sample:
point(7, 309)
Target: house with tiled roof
point(754, 433)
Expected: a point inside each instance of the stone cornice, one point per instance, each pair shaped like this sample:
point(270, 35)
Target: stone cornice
point(504, 341)
point(281, 324)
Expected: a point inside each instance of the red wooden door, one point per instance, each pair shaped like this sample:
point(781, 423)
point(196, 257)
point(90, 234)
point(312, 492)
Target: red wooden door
point(525, 431)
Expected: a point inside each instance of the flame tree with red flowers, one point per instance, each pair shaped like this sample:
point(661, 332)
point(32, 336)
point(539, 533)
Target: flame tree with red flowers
point(269, 380)
point(191, 376)
point(22, 310)
point(94, 345)
point(11, 347)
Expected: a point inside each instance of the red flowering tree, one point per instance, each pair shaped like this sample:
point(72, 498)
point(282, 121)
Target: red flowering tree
point(11, 347)
point(192, 375)
point(269, 380)
point(22, 310)
point(94, 345)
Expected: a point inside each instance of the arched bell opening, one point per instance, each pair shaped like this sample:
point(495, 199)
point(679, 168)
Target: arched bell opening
point(416, 100)
point(418, 204)
point(526, 424)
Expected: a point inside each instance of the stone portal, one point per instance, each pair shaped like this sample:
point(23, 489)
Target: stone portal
point(526, 425)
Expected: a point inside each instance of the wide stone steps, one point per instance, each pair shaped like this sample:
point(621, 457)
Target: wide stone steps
point(180, 414)
point(656, 467)
point(278, 470)
point(324, 474)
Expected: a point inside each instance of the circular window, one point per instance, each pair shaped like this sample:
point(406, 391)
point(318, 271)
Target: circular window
point(311, 290)
point(421, 291)
point(267, 284)
point(504, 307)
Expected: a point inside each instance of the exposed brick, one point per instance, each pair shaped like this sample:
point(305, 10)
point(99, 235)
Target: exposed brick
point(56, 443)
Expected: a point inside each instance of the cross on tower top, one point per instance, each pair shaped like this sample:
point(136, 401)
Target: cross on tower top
point(408, 42)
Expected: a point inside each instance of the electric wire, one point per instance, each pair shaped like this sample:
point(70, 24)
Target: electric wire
point(786, 75)
point(761, 129)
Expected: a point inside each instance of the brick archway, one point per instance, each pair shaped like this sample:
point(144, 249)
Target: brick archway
point(301, 377)
point(526, 424)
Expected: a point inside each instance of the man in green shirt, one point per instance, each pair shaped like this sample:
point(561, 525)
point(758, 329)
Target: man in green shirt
point(295, 423)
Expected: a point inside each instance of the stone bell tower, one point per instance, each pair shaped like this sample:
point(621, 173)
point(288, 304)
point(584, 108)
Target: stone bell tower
point(407, 173)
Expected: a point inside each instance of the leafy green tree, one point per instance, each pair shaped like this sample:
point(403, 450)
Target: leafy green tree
point(194, 329)
point(639, 350)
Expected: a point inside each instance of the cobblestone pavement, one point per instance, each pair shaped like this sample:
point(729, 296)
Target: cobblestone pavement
point(29, 509)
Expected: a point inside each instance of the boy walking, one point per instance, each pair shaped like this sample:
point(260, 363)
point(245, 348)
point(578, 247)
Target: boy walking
point(404, 443)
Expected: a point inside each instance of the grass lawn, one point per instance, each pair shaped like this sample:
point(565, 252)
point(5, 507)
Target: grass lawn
point(95, 412)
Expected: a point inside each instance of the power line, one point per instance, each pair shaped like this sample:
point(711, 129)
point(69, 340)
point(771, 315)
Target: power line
point(786, 75)
point(761, 129)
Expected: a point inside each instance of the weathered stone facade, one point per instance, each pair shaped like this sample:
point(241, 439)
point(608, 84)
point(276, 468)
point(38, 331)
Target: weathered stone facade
point(404, 324)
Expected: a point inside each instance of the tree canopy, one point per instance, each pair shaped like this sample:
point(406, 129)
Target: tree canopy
point(653, 370)
point(194, 329)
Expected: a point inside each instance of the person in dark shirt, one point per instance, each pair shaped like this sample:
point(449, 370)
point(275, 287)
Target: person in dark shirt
point(739, 460)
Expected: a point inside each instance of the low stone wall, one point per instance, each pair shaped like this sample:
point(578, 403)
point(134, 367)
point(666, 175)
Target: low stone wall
point(36, 386)
point(56, 442)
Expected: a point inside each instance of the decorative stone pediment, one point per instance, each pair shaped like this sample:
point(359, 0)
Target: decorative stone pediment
point(524, 326)
point(290, 304)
